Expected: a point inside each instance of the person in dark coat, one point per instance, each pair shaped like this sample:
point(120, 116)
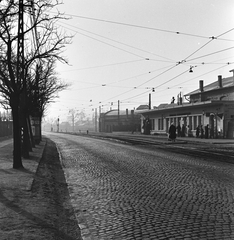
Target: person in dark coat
point(207, 131)
point(202, 132)
point(179, 130)
point(197, 131)
point(172, 132)
point(183, 131)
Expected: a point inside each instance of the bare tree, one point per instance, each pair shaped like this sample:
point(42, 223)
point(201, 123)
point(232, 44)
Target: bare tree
point(77, 117)
point(43, 87)
point(42, 40)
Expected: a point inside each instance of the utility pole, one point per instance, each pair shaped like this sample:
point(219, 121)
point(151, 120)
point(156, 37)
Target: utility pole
point(22, 80)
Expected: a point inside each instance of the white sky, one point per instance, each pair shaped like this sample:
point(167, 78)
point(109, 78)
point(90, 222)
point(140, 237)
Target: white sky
point(114, 38)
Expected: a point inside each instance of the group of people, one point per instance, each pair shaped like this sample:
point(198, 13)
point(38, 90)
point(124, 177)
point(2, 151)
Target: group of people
point(200, 131)
point(181, 131)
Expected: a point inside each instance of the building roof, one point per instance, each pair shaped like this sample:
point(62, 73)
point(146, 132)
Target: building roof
point(115, 112)
point(163, 105)
point(143, 107)
point(226, 82)
point(169, 107)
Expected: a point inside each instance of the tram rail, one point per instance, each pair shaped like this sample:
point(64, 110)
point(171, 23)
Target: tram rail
point(189, 148)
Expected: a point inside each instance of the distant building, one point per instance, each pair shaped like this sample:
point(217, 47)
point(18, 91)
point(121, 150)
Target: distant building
point(119, 120)
point(209, 106)
point(143, 107)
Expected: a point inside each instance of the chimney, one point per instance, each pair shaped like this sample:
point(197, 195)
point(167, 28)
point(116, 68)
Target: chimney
point(201, 85)
point(233, 74)
point(220, 81)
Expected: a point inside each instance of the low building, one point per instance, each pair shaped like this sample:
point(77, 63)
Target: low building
point(210, 108)
point(119, 120)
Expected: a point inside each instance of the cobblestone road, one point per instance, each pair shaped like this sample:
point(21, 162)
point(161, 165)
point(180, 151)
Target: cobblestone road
point(130, 192)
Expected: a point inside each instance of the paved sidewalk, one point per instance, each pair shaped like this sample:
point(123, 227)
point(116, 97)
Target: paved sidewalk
point(15, 186)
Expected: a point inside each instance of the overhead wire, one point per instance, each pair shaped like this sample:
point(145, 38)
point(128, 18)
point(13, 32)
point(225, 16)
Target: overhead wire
point(144, 58)
point(209, 54)
point(139, 85)
point(185, 60)
point(139, 26)
point(213, 70)
point(120, 43)
point(106, 65)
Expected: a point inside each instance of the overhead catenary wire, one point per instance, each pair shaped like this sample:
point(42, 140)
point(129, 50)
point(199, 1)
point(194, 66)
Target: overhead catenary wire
point(142, 57)
point(180, 62)
point(112, 45)
point(187, 59)
point(130, 46)
point(197, 77)
point(143, 27)
point(183, 61)
point(105, 65)
point(209, 54)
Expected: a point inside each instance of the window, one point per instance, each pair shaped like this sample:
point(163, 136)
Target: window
point(160, 124)
point(152, 124)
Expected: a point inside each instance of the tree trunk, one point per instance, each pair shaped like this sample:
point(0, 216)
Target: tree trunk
point(40, 119)
point(17, 160)
point(26, 138)
point(31, 134)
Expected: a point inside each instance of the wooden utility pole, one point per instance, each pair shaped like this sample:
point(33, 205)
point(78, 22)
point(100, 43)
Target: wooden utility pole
point(21, 80)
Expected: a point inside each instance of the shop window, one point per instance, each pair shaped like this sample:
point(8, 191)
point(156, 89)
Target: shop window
point(160, 124)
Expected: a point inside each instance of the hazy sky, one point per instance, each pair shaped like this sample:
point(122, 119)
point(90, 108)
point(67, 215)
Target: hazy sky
point(123, 48)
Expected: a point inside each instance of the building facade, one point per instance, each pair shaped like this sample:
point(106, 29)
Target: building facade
point(119, 120)
point(209, 108)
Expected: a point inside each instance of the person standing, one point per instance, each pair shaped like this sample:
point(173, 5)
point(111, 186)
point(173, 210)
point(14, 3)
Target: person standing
point(178, 130)
point(202, 132)
point(197, 131)
point(183, 131)
point(207, 131)
point(172, 132)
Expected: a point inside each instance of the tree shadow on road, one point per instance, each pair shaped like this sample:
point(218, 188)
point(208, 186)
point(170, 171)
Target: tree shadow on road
point(50, 185)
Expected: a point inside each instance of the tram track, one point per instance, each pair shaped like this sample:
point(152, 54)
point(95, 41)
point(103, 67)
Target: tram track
point(194, 149)
point(189, 148)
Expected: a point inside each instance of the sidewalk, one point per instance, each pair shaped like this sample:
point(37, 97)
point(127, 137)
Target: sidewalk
point(15, 186)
